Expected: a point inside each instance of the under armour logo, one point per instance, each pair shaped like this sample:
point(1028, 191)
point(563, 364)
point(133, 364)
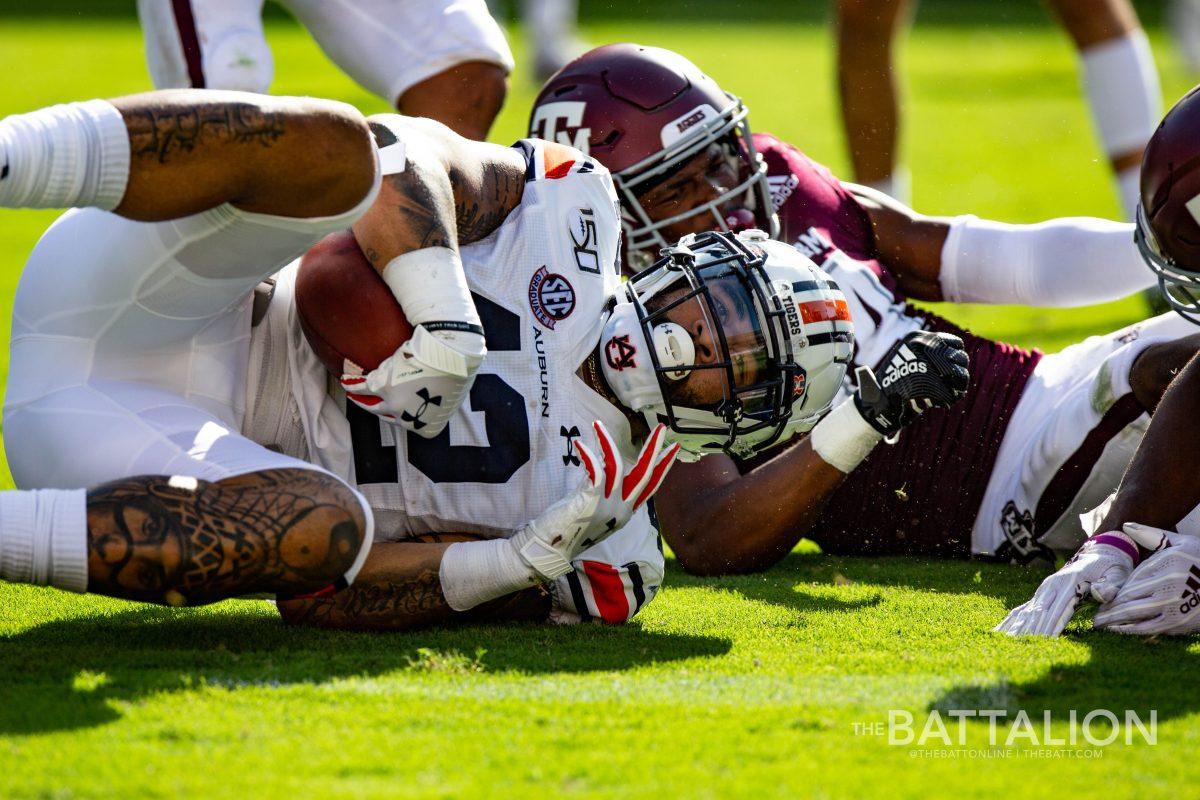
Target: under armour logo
point(415, 419)
point(570, 434)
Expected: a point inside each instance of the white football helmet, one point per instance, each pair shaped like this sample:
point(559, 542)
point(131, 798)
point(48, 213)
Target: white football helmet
point(734, 342)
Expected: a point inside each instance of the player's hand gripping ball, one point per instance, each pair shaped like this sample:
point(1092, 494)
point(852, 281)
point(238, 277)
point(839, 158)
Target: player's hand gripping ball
point(348, 314)
point(387, 366)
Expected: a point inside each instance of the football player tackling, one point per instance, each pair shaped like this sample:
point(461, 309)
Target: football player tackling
point(1002, 474)
point(137, 369)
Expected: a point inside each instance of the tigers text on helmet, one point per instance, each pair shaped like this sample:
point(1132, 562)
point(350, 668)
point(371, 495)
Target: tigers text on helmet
point(1168, 217)
point(644, 113)
point(735, 342)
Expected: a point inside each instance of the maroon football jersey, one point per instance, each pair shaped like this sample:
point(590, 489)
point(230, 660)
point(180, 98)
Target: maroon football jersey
point(921, 494)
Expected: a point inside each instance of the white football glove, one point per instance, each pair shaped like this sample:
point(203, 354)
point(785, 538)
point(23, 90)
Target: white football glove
point(422, 384)
point(1097, 571)
point(1161, 595)
point(606, 501)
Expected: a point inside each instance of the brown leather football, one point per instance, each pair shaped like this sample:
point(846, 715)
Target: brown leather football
point(348, 314)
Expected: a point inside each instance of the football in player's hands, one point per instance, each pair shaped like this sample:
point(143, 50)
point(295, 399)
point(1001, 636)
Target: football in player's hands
point(923, 370)
point(348, 314)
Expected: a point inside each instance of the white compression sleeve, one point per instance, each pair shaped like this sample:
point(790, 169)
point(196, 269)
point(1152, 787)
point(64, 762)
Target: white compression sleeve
point(1073, 261)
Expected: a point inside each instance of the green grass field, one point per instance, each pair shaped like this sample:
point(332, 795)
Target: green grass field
point(736, 687)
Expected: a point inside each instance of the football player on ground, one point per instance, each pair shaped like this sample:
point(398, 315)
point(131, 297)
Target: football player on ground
point(1116, 64)
point(443, 59)
point(1004, 473)
point(1143, 564)
point(137, 370)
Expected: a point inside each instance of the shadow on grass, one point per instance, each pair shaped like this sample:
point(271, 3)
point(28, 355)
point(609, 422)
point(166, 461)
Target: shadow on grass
point(1124, 673)
point(66, 674)
point(1010, 583)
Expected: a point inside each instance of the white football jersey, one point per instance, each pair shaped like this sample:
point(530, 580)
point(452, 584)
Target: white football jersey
point(540, 283)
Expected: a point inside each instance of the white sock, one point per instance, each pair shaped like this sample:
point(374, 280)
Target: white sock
point(475, 572)
point(1183, 20)
point(550, 30)
point(43, 538)
point(1129, 189)
point(897, 185)
point(1123, 90)
point(549, 21)
point(65, 156)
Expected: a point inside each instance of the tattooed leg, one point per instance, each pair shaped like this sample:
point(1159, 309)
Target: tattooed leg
point(193, 150)
point(399, 589)
point(183, 541)
point(165, 155)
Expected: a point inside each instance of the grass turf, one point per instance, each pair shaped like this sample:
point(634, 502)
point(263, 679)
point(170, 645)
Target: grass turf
point(734, 687)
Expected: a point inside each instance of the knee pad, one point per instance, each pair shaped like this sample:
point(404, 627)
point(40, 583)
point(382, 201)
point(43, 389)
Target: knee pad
point(239, 59)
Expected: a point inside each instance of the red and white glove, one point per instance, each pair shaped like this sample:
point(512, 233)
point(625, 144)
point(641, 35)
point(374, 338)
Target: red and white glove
point(422, 384)
point(1096, 572)
point(607, 500)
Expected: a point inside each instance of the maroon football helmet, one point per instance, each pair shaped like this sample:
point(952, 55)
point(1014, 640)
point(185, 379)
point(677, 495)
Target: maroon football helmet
point(1168, 231)
point(644, 113)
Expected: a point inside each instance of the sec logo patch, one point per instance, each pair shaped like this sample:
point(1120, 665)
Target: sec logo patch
point(551, 297)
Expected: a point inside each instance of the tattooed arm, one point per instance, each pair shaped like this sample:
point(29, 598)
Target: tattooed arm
point(289, 156)
point(398, 589)
point(182, 541)
point(451, 191)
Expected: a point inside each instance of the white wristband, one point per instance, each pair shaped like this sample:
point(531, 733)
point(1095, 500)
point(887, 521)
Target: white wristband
point(430, 286)
point(472, 573)
point(843, 438)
